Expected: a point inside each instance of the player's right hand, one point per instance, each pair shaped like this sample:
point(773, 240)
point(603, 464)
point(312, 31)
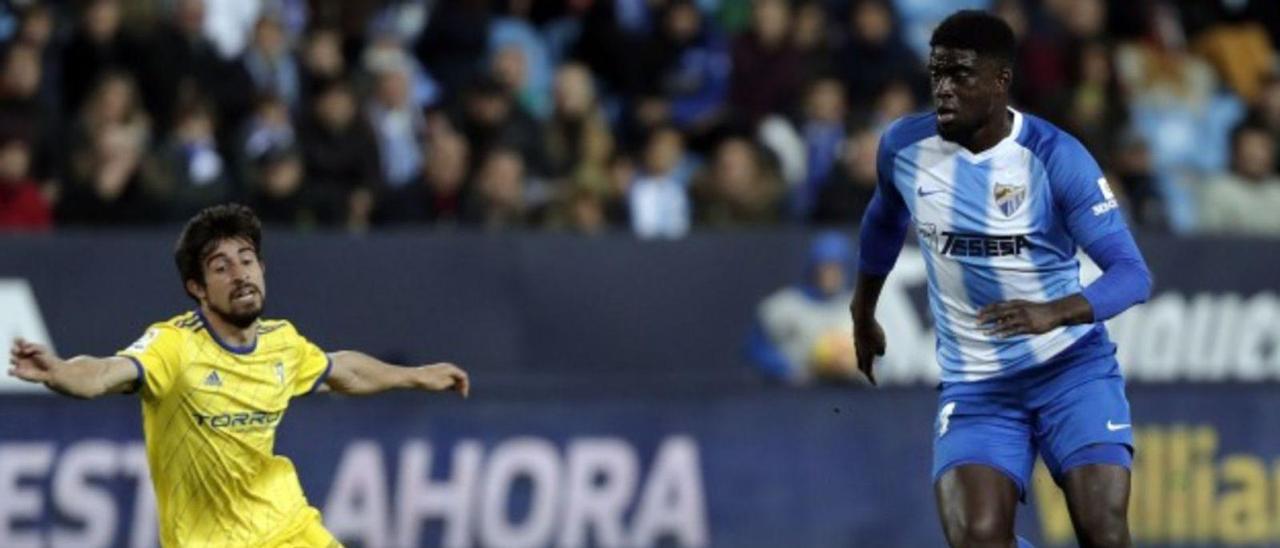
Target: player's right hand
point(868, 342)
point(31, 362)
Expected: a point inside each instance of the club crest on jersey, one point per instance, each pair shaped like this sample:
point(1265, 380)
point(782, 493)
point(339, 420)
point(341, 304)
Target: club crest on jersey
point(1009, 197)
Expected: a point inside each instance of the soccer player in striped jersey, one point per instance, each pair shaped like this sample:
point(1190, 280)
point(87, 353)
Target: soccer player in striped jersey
point(214, 383)
point(1000, 201)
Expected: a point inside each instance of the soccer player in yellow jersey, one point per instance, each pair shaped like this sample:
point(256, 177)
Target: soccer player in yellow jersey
point(215, 383)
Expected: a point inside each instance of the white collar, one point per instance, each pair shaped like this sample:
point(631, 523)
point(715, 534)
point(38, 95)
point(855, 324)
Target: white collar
point(975, 157)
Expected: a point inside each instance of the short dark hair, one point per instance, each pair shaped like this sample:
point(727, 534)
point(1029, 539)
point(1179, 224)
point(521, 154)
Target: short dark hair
point(203, 232)
point(1247, 126)
point(982, 32)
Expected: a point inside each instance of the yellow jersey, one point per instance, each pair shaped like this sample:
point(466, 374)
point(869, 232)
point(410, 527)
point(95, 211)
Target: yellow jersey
point(209, 416)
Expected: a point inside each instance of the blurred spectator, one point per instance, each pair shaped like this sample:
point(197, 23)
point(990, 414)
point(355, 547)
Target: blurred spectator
point(24, 113)
point(270, 63)
point(766, 66)
point(1082, 20)
point(1242, 54)
point(439, 194)
point(658, 199)
point(689, 67)
point(1245, 201)
point(622, 172)
point(268, 128)
point(385, 52)
point(1040, 62)
point(229, 24)
point(1051, 55)
point(279, 196)
point(849, 187)
point(580, 209)
point(510, 67)
point(576, 118)
point(592, 169)
point(1268, 110)
point(1137, 182)
point(340, 152)
point(1262, 11)
point(812, 40)
point(322, 60)
point(402, 19)
point(802, 332)
point(194, 174)
point(648, 114)
point(779, 135)
point(36, 27)
point(823, 131)
point(1170, 90)
point(109, 142)
point(520, 60)
point(115, 107)
point(1174, 105)
point(612, 30)
point(397, 122)
point(97, 47)
point(493, 71)
point(491, 118)
point(499, 187)
point(181, 64)
point(22, 206)
point(875, 56)
point(739, 188)
point(894, 101)
point(107, 185)
point(455, 39)
point(1093, 110)
point(36, 24)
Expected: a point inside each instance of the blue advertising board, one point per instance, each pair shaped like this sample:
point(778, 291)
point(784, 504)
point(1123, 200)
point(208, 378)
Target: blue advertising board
point(735, 468)
point(561, 310)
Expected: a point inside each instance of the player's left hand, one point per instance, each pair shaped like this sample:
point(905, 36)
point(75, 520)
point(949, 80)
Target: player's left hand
point(445, 376)
point(1018, 317)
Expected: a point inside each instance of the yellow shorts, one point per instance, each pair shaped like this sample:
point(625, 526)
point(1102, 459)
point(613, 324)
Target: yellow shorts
point(306, 532)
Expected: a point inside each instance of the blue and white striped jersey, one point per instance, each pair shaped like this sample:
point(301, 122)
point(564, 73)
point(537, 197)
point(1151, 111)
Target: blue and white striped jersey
point(998, 225)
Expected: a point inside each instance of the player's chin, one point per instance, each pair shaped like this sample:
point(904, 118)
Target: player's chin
point(950, 130)
point(244, 314)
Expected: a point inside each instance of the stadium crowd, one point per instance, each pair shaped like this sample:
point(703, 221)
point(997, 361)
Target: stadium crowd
point(649, 116)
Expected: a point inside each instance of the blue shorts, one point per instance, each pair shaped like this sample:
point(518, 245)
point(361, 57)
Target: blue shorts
point(1054, 409)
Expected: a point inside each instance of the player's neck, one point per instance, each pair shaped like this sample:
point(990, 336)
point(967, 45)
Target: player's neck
point(991, 133)
point(229, 333)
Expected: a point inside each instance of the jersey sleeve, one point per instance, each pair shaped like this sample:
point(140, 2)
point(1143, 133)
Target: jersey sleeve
point(1081, 193)
point(885, 222)
point(1125, 279)
point(158, 355)
point(312, 367)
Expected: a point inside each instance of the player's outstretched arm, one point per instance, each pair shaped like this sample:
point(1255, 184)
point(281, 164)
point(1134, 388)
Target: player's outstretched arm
point(357, 373)
point(82, 377)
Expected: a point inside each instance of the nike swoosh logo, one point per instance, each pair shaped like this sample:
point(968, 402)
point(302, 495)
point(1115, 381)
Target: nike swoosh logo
point(920, 191)
point(1114, 427)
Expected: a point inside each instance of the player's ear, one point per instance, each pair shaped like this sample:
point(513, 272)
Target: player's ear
point(196, 289)
point(1004, 77)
